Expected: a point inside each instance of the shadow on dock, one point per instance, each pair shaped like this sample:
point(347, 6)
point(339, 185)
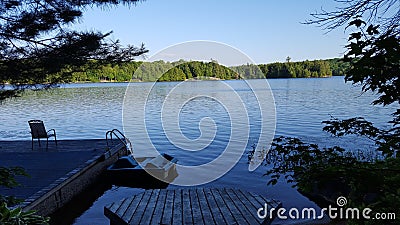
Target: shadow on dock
point(59, 173)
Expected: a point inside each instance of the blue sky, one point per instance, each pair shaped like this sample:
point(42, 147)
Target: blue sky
point(266, 30)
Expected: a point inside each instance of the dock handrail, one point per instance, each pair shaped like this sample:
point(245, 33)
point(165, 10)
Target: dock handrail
point(121, 137)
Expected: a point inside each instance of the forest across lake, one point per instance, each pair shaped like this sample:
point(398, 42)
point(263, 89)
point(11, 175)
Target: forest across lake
point(198, 70)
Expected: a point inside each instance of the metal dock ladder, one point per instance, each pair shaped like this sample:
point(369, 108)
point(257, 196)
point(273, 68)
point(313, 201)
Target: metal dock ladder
point(115, 135)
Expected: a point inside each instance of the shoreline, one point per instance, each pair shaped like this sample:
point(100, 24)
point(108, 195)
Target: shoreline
point(189, 80)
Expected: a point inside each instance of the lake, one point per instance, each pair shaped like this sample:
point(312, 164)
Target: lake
point(87, 111)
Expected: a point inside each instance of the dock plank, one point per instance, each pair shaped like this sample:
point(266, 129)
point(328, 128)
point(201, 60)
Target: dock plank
point(168, 208)
point(239, 218)
point(226, 213)
point(114, 206)
point(110, 212)
point(132, 207)
point(251, 206)
point(146, 218)
point(123, 206)
point(177, 214)
point(217, 215)
point(194, 201)
point(137, 216)
point(187, 207)
point(204, 208)
point(159, 209)
point(242, 207)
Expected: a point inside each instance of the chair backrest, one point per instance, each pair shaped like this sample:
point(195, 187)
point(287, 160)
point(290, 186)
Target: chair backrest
point(37, 129)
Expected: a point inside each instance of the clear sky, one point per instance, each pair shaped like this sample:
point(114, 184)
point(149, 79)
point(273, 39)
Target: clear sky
point(266, 30)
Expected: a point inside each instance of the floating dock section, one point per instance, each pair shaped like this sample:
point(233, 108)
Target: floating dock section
point(191, 206)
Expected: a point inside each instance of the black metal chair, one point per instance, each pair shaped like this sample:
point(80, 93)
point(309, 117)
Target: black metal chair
point(39, 131)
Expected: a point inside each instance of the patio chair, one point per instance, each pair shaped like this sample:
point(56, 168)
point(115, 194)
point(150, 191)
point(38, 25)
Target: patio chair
point(39, 131)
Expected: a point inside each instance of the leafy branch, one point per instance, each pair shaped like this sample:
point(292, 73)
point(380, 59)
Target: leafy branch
point(369, 180)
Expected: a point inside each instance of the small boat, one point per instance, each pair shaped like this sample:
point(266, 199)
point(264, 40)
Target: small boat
point(136, 172)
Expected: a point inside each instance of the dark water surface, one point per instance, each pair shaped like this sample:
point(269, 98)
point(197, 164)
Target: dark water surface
point(86, 111)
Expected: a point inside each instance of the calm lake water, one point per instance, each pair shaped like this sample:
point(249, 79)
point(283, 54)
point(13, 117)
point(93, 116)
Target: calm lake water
point(87, 111)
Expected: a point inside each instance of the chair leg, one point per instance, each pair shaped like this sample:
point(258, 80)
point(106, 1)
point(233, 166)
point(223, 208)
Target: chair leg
point(39, 142)
point(47, 144)
point(32, 143)
point(55, 139)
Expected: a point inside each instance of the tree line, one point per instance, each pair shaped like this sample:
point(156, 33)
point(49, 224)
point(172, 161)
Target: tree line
point(198, 70)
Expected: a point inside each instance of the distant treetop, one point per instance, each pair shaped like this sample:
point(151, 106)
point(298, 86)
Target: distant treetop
point(35, 42)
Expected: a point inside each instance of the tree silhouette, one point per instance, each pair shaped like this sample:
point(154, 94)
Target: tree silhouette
point(369, 178)
point(383, 12)
point(36, 42)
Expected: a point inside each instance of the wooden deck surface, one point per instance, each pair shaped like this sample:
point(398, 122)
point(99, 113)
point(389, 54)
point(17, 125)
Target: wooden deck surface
point(190, 206)
point(46, 165)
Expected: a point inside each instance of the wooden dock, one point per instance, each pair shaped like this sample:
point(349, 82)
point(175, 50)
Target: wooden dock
point(190, 206)
point(57, 173)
